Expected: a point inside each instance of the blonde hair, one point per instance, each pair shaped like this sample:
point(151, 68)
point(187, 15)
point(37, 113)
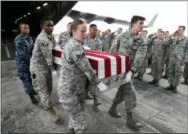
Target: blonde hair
point(75, 24)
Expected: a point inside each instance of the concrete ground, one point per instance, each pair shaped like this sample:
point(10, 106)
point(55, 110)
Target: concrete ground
point(158, 110)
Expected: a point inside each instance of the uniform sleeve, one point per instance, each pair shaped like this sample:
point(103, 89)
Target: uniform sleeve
point(46, 49)
point(151, 39)
point(186, 52)
point(100, 46)
point(139, 56)
point(115, 46)
point(167, 43)
point(83, 63)
point(182, 50)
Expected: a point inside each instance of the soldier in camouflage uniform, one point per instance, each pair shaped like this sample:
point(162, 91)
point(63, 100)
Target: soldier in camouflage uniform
point(166, 34)
point(159, 49)
point(93, 42)
point(177, 55)
point(99, 34)
point(106, 41)
point(167, 53)
point(150, 48)
point(24, 48)
point(113, 38)
point(64, 36)
point(185, 73)
point(116, 35)
point(74, 73)
point(129, 43)
point(41, 66)
point(150, 40)
point(143, 67)
point(108, 38)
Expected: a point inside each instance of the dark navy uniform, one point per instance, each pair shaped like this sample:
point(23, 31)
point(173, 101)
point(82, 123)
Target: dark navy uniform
point(24, 47)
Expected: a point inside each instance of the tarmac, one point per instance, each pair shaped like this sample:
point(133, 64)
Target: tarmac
point(159, 111)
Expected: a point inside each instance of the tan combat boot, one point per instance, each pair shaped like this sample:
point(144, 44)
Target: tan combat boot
point(113, 111)
point(170, 87)
point(96, 101)
point(53, 115)
point(33, 99)
point(71, 131)
point(154, 81)
point(131, 122)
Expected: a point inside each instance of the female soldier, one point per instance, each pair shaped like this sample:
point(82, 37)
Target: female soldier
point(75, 71)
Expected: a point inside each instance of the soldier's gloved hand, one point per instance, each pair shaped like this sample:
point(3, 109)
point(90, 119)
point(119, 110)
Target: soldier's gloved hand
point(129, 76)
point(102, 86)
point(54, 73)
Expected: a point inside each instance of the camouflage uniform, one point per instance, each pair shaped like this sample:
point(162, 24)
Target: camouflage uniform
point(94, 44)
point(177, 53)
point(159, 49)
point(149, 54)
point(107, 42)
point(185, 74)
point(114, 39)
point(142, 68)
point(24, 48)
point(74, 73)
point(134, 46)
point(41, 62)
point(167, 55)
point(63, 38)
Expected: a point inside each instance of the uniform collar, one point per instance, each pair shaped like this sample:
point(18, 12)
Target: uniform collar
point(77, 40)
point(24, 36)
point(130, 32)
point(47, 35)
point(182, 37)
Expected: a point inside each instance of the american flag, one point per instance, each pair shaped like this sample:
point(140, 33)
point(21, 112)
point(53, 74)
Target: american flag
point(106, 64)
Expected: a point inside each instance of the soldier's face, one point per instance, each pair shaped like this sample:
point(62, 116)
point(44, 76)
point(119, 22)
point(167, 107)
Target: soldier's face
point(180, 31)
point(24, 28)
point(166, 33)
point(93, 31)
point(48, 27)
point(119, 31)
point(144, 33)
point(80, 32)
point(159, 30)
point(139, 25)
point(108, 31)
point(160, 35)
